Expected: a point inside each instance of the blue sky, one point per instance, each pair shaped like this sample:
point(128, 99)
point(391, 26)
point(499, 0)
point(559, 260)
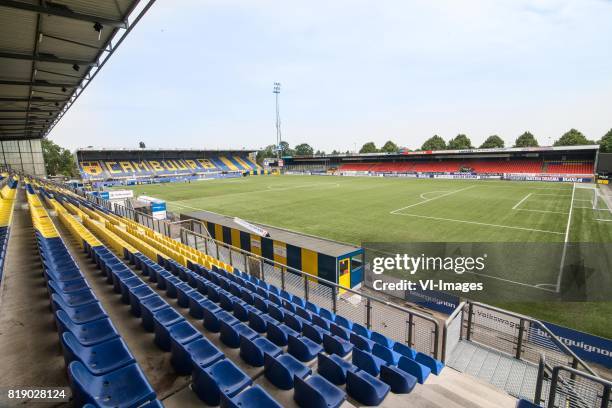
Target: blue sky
point(199, 74)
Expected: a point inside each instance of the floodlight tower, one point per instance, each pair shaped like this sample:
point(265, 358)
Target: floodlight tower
point(276, 91)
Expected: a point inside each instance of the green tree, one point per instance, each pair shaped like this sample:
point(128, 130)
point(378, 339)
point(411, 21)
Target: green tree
point(605, 144)
point(335, 152)
point(460, 141)
point(267, 152)
point(369, 147)
point(304, 149)
point(526, 140)
point(492, 141)
point(434, 143)
point(58, 161)
point(572, 138)
point(389, 147)
point(285, 149)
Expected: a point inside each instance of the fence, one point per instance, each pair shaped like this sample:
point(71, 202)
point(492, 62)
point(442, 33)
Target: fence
point(415, 329)
point(566, 387)
point(400, 324)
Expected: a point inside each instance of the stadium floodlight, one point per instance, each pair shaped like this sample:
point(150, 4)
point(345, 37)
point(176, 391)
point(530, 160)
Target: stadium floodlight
point(276, 92)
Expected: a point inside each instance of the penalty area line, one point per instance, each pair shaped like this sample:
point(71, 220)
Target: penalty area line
point(522, 201)
point(484, 224)
point(432, 199)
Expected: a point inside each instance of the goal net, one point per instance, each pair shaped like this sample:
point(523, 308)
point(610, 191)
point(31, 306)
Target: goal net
point(601, 205)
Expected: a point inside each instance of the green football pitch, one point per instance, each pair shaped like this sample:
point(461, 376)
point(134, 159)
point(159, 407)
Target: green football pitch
point(368, 209)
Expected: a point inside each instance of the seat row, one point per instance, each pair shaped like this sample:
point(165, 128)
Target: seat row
point(304, 328)
point(7, 203)
point(101, 368)
point(216, 380)
point(214, 302)
point(306, 340)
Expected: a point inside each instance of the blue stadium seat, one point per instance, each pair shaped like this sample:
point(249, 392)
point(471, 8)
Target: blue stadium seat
point(212, 291)
point(230, 333)
point(313, 332)
point(362, 331)
point(365, 388)
point(302, 348)
point(137, 295)
point(278, 334)
point(76, 299)
point(286, 295)
point(523, 403)
point(226, 300)
point(211, 314)
point(203, 353)
point(282, 370)
point(260, 321)
point(98, 359)
point(182, 334)
point(171, 283)
point(298, 301)
point(317, 392)
point(400, 381)
point(334, 368)
point(289, 306)
point(81, 314)
point(404, 350)
point(389, 356)
point(434, 365)
point(196, 304)
point(382, 340)
point(148, 307)
point(336, 345)
point(367, 362)
point(361, 342)
point(326, 314)
point(260, 304)
point(276, 312)
point(128, 284)
point(163, 319)
point(272, 298)
point(294, 321)
point(252, 350)
point(321, 322)
point(88, 334)
point(344, 322)
point(311, 307)
point(253, 397)
point(183, 290)
point(303, 313)
point(247, 297)
point(223, 376)
point(413, 368)
point(126, 387)
point(242, 310)
point(340, 331)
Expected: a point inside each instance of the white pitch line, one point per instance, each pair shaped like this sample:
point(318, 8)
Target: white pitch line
point(601, 219)
point(567, 230)
point(541, 211)
point(432, 199)
point(522, 201)
point(481, 223)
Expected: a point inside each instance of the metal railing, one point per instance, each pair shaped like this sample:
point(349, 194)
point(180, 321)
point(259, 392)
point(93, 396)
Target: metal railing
point(571, 388)
point(410, 327)
point(452, 331)
point(517, 335)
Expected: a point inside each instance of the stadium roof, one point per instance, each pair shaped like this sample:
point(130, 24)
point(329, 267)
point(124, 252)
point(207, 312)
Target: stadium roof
point(405, 152)
point(50, 51)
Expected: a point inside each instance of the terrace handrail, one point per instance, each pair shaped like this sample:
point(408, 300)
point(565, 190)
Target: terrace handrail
point(586, 378)
point(576, 361)
point(336, 287)
point(449, 320)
